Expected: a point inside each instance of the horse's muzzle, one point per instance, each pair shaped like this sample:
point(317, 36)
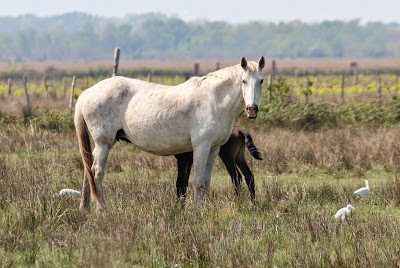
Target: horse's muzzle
point(252, 111)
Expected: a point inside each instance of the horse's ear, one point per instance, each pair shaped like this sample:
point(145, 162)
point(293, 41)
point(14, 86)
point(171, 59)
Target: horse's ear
point(261, 63)
point(243, 62)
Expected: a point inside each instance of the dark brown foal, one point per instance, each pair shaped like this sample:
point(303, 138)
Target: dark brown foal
point(232, 154)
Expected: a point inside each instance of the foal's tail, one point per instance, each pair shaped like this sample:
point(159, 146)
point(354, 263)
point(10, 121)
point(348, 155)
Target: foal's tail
point(84, 145)
point(250, 145)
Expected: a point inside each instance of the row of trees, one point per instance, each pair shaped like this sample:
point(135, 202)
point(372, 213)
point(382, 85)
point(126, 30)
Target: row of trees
point(78, 36)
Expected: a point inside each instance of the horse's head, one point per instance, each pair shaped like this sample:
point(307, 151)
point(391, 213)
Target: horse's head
point(252, 80)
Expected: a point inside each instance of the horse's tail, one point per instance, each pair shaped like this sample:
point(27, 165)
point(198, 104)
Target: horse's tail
point(250, 145)
point(84, 145)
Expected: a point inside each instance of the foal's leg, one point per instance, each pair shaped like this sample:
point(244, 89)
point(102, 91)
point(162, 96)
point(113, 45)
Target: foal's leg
point(184, 162)
point(232, 170)
point(239, 178)
point(228, 153)
point(204, 159)
point(248, 175)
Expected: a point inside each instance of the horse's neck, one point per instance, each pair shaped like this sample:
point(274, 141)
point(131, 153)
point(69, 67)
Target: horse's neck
point(230, 97)
point(225, 87)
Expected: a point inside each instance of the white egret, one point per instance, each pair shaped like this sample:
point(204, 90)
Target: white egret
point(364, 191)
point(68, 192)
point(343, 212)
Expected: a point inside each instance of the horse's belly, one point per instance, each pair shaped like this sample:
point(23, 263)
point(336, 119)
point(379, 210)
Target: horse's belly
point(171, 128)
point(163, 146)
point(160, 138)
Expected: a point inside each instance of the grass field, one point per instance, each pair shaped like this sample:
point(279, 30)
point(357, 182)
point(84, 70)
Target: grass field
point(316, 153)
point(304, 179)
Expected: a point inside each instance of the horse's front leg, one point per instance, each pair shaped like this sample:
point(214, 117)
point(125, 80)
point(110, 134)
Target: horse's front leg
point(203, 158)
point(210, 164)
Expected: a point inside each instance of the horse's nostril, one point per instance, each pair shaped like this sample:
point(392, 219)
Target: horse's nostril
point(252, 108)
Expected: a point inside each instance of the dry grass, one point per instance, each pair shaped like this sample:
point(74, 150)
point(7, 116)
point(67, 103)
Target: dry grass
point(188, 65)
point(326, 65)
point(304, 179)
point(15, 105)
point(284, 65)
point(331, 149)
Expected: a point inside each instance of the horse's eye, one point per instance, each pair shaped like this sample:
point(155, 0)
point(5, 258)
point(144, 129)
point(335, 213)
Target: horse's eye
point(262, 80)
point(244, 81)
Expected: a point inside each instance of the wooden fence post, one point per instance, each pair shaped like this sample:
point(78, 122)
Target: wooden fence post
point(273, 70)
point(308, 87)
point(356, 77)
point(196, 69)
point(9, 86)
point(342, 91)
point(26, 91)
point(64, 86)
point(45, 84)
point(217, 66)
point(86, 82)
point(71, 99)
point(270, 88)
point(116, 61)
point(149, 77)
point(379, 87)
point(354, 67)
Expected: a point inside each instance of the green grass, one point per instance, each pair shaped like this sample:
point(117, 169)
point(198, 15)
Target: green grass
point(291, 225)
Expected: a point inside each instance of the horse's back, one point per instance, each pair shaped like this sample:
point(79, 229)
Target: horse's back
point(159, 119)
point(143, 111)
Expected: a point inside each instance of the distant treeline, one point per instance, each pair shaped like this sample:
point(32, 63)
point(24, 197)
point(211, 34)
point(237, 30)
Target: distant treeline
point(83, 37)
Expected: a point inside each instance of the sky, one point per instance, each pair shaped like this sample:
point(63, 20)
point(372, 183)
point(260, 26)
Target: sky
point(233, 11)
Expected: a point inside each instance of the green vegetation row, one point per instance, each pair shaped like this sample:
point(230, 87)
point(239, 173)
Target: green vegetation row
point(311, 116)
point(298, 116)
point(78, 36)
point(94, 72)
point(287, 103)
point(321, 85)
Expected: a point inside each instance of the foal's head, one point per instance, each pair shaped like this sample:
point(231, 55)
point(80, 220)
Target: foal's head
point(252, 80)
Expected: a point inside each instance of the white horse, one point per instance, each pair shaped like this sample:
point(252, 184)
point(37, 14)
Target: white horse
point(196, 115)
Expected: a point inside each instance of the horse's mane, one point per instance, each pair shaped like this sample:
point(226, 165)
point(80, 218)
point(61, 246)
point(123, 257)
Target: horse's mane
point(196, 81)
point(222, 75)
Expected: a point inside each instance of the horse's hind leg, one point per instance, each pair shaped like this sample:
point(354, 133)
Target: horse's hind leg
point(100, 157)
point(100, 153)
point(85, 199)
